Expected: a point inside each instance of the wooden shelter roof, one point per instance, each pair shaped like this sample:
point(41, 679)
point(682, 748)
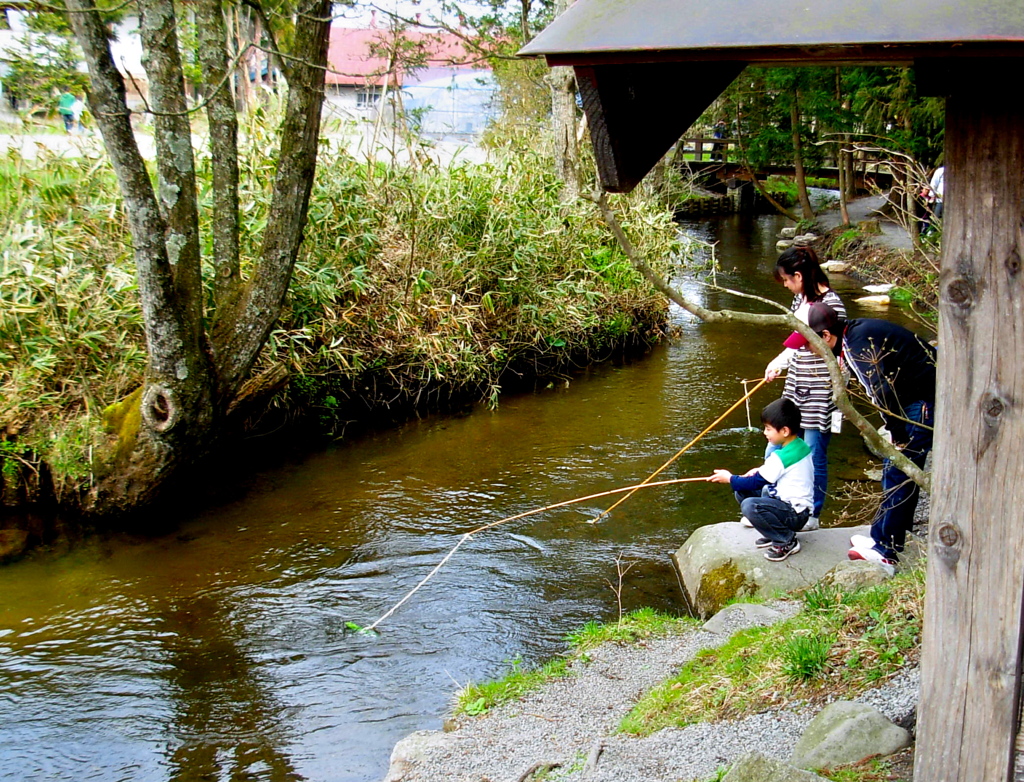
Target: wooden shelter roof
point(810, 31)
point(646, 69)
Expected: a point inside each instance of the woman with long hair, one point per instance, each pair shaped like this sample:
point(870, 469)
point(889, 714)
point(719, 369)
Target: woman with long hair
point(807, 380)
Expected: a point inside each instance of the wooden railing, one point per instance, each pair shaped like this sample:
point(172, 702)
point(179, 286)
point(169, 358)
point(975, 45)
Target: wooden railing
point(711, 149)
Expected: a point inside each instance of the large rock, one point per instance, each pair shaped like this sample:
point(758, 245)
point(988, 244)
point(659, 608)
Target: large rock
point(852, 575)
point(755, 767)
point(846, 732)
point(409, 750)
point(719, 562)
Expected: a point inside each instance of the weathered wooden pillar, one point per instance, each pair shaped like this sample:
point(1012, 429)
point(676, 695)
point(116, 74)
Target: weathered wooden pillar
point(971, 664)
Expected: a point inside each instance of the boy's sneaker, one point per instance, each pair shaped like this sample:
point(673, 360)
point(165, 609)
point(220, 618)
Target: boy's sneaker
point(873, 555)
point(745, 521)
point(812, 524)
point(862, 541)
point(763, 543)
point(779, 553)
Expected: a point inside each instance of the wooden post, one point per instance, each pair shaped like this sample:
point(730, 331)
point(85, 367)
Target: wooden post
point(971, 659)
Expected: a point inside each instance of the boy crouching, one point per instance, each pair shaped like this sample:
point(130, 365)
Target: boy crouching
point(776, 498)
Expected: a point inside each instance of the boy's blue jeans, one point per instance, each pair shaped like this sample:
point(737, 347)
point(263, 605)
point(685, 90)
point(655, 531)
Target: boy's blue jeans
point(818, 442)
point(895, 515)
point(774, 519)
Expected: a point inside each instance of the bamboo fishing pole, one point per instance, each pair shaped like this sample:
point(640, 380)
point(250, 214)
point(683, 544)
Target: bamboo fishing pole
point(466, 536)
point(685, 448)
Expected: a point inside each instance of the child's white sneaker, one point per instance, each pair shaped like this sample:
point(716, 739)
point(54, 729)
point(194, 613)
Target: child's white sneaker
point(873, 555)
point(812, 524)
point(745, 521)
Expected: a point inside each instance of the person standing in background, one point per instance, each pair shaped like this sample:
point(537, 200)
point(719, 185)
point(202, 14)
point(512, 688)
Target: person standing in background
point(65, 107)
point(933, 200)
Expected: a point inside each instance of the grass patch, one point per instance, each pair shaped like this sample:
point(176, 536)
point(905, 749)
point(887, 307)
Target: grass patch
point(635, 626)
point(854, 640)
point(891, 769)
point(477, 698)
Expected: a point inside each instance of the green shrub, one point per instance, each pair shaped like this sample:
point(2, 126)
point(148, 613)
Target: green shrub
point(805, 656)
point(416, 278)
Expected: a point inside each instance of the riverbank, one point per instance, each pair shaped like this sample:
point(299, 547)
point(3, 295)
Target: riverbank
point(587, 724)
point(576, 725)
point(879, 249)
point(416, 290)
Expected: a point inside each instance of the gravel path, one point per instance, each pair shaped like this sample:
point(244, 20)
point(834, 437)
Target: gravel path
point(571, 722)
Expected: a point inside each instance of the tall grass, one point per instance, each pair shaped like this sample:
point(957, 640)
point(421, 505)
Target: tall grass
point(411, 282)
point(455, 277)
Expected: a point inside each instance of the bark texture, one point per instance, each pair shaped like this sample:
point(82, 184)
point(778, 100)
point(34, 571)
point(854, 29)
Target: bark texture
point(972, 650)
point(193, 377)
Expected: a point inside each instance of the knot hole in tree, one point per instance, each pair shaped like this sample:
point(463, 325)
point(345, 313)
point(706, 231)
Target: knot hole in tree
point(993, 408)
point(950, 541)
point(159, 408)
point(1013, 263)
point(960, 293)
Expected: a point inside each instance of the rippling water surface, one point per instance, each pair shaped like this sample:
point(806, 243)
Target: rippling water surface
point(221, 652)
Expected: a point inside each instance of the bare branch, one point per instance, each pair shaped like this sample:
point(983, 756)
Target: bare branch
point(842, 400)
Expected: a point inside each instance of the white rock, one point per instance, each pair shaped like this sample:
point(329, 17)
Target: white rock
point(883, 288)
point(880, 300)
point(409, 750)
point(839, 267)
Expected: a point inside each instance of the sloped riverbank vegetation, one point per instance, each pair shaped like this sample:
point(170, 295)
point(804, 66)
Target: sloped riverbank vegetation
point(415, 286)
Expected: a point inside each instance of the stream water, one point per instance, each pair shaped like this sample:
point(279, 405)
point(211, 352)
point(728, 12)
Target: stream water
point(221, 651)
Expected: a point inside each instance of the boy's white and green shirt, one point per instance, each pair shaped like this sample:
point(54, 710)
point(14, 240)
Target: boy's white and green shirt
point(791, 473)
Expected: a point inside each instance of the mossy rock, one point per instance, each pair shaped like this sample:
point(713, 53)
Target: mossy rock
point(719, 562)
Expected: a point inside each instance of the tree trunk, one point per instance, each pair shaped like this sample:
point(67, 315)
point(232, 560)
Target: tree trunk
point(972, 650)
point(844, 211)
point(744, 161)
point(220, 112)
point(851, 180)
point(841, 154)
point(176, 401)
point(192, 379)
point(563, 117)
point(798, 159)
point(240, 333)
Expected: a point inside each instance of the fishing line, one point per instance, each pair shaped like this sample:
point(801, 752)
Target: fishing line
point(466, 536)
point(684, 449)
point(650, 483)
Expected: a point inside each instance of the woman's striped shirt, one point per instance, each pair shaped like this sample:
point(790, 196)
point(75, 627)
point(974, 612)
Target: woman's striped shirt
point(807, 380)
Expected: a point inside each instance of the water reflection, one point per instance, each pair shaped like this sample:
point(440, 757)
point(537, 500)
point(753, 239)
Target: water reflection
point(226, 722)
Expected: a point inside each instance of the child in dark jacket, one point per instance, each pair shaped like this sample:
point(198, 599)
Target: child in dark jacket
point(777, 497)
